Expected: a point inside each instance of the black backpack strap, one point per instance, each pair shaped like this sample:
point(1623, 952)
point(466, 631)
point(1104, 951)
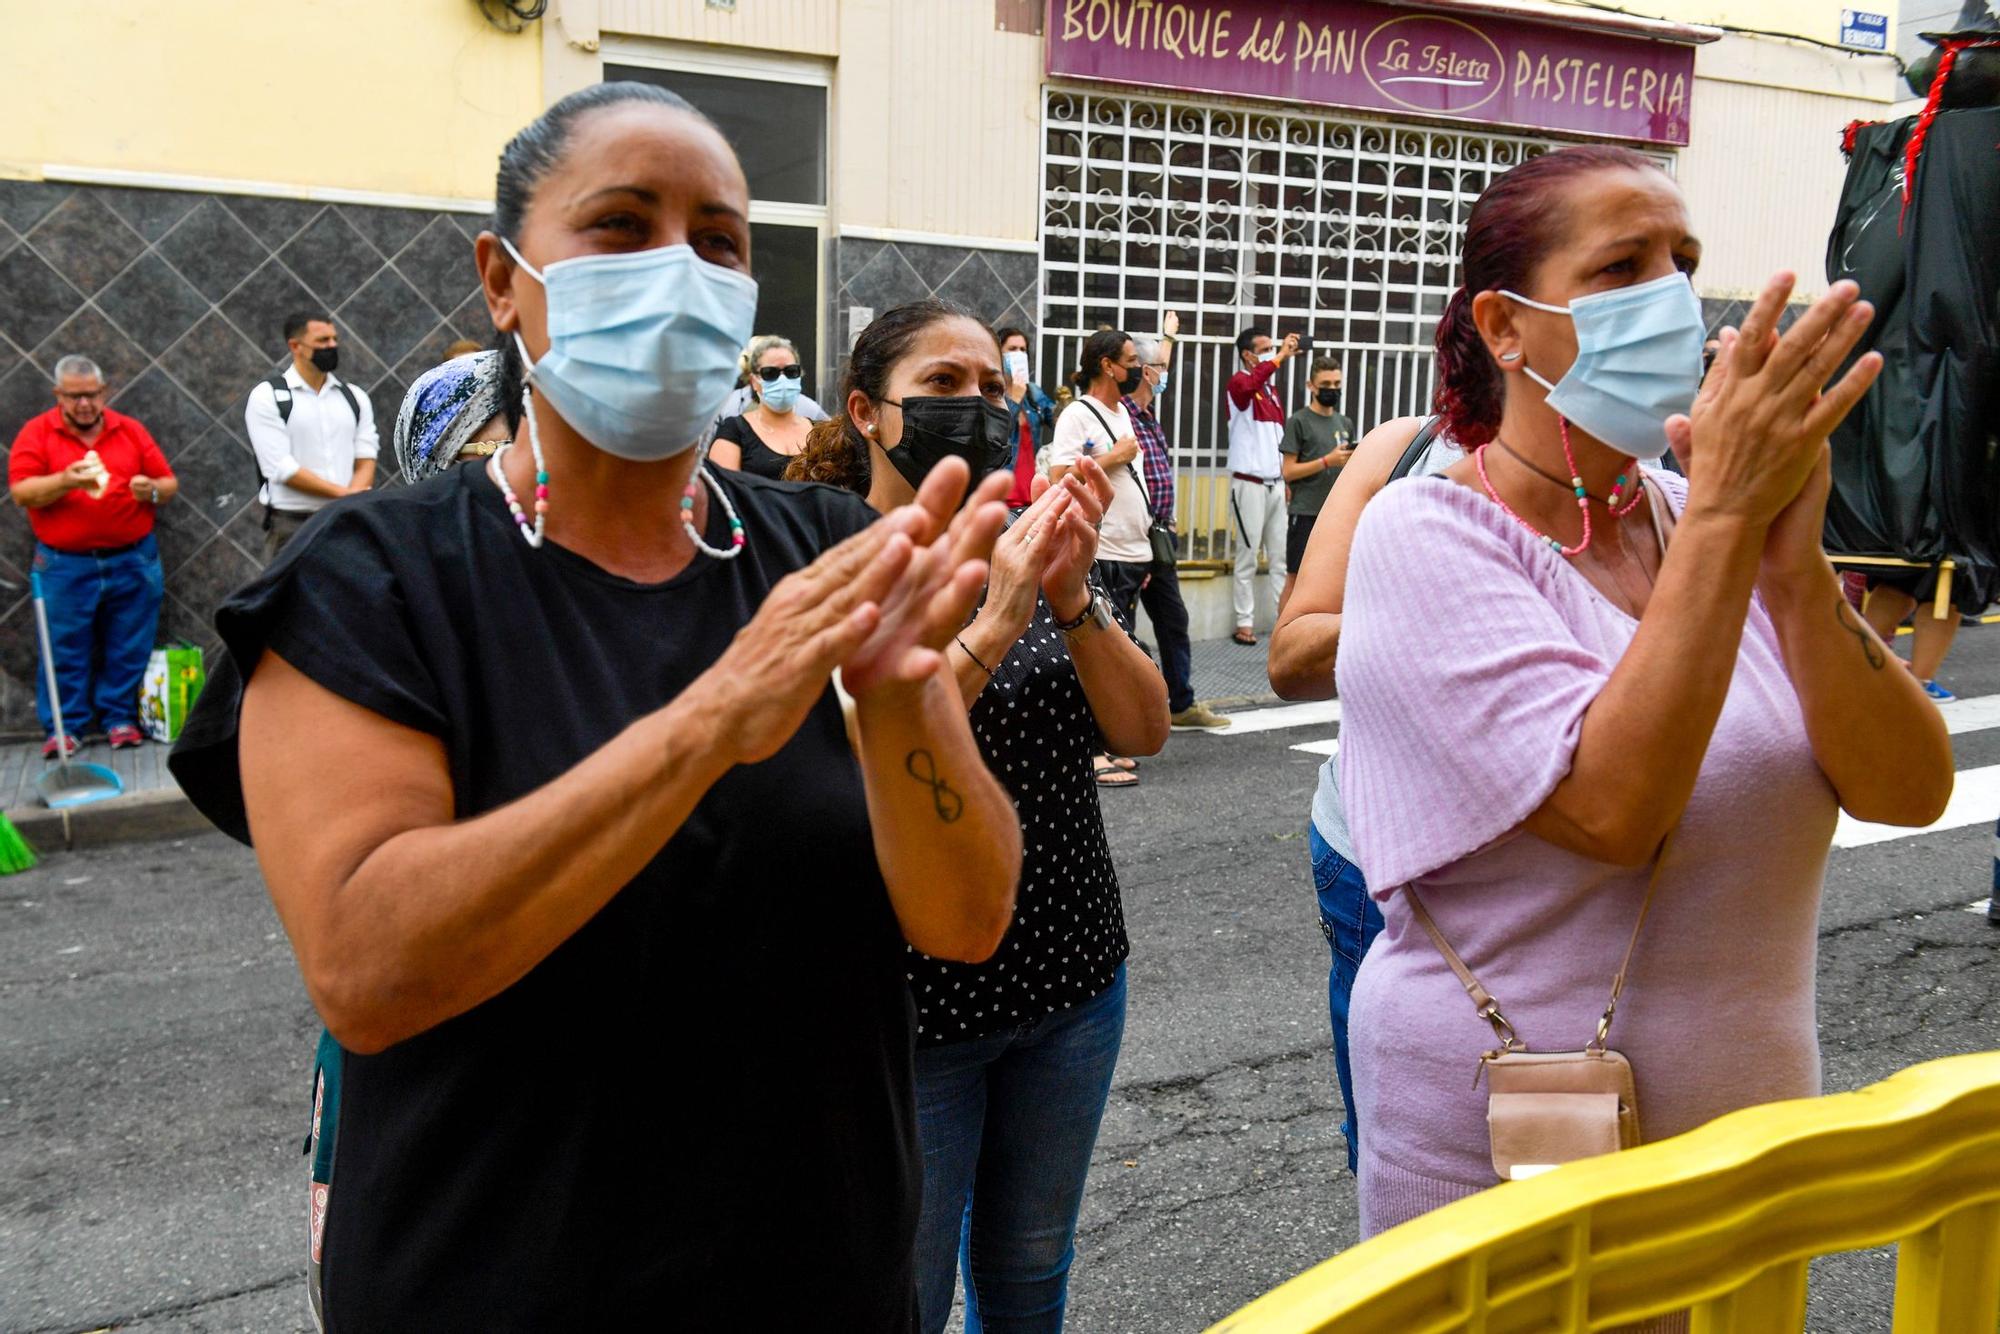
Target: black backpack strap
point(1418, 445)
point(353, 403)
point(281, 394)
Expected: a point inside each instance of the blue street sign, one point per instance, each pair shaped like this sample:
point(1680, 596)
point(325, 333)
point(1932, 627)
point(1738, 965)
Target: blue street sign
point(1868, 31)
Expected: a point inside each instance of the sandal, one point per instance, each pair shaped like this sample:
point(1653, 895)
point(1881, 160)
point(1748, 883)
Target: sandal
point(1107, 774)
point(1124, 763)
point(1247, 638)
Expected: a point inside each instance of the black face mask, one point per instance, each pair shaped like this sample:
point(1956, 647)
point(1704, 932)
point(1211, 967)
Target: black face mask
point(326, 359)
point(1328, 398)
point(937, 428)
point(1132, 380)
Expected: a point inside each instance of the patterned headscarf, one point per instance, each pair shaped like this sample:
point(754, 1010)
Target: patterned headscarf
point(444, 409)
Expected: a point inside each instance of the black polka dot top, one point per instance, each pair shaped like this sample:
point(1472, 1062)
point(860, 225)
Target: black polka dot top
point(1035, 729)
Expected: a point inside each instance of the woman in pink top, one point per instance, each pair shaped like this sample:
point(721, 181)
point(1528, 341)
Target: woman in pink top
point(1552, 660)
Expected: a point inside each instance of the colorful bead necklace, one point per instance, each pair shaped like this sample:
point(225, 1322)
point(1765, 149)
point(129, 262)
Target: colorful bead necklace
point(532, 533)
point(1612, 502)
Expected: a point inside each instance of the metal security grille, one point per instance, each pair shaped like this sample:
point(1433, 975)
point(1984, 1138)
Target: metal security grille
point(1344, 230)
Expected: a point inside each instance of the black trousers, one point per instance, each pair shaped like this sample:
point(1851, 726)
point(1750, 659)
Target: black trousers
point(1128, 583)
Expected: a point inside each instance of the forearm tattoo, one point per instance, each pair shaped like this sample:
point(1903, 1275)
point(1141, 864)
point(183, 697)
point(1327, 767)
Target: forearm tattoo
point(948, 803)
point(1843, 612)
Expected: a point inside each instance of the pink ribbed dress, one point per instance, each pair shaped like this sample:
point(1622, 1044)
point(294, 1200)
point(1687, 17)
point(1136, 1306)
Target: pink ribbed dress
point(1469, 655)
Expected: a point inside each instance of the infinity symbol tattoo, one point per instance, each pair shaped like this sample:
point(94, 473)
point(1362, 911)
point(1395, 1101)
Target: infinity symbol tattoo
point(949, 804)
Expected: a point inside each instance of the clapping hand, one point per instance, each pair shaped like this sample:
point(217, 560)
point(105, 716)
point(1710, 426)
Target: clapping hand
point(1071, 547)
point(1755, 442)
point(935, 595)
point(1021, 555)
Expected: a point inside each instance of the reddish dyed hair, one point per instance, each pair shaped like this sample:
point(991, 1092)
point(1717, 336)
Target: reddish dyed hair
point(1515, 224)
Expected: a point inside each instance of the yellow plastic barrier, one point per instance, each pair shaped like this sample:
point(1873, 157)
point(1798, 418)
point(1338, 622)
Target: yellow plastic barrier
point(1720, 1221)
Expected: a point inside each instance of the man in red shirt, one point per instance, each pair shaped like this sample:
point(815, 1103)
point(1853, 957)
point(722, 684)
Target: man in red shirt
point(90, 479)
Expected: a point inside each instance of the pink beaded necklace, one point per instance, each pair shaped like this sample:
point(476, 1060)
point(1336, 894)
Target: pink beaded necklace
point(532, 531)
point(1612, 502)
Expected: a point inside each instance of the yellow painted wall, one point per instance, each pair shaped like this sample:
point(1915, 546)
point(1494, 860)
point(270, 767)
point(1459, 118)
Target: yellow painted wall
point(405, 96)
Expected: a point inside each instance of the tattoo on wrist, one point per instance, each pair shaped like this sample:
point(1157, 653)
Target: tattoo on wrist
point(944, 798)
point(1854, 625)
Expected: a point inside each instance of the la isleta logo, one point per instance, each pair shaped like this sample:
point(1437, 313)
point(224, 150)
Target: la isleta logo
point(1429, 63)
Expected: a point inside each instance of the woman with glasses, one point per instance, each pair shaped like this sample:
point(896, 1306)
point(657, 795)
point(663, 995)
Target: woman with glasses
point(770, 432)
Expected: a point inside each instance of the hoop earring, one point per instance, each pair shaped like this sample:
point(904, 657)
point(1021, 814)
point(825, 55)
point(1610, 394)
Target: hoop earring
point(1510, 356)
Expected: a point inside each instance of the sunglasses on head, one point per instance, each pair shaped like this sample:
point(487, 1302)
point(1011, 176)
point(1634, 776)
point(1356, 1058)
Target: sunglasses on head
point(770, 374)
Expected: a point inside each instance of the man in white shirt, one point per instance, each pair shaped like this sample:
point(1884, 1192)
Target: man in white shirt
point(1256, 490)
point(313, 432)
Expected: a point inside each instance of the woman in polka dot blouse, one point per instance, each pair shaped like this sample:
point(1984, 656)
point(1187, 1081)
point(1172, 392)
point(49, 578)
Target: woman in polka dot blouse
point(1014, 1055)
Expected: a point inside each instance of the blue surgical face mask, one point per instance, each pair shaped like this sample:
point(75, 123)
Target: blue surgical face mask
point(780, 395)
point(643, 346)
point(1638, 362)
point(1161, 387)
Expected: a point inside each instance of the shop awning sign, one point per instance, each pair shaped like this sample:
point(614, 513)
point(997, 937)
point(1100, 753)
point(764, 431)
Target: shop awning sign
point(1384, 58)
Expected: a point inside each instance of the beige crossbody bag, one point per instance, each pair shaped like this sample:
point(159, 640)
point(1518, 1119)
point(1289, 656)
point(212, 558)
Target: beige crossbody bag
point(1547, 1108)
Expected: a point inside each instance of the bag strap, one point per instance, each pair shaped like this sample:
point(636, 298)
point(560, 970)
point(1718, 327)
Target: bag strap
point(1489, 1008)
point(1418, 444)
point(1105, 421)
point(281, 396)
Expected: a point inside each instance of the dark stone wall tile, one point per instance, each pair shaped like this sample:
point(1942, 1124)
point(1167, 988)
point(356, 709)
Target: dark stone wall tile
point(152, 303)
point(89, 334)
point(385, 397)
point(358, 363)
point(472, 319)
point(428, 352)
point(25, 203)
point(212, 250)
point(976, 287)
point(10, 357)
point(854, 254)
point(389, 315)
point(151, 213)
point(211, 575)
point(260, 306)
point(1014, 317)
point(273, 221)
point(935, 264)
point(471, 224)
point(20, 653)
point(181, 529)
point(884, 282)
point(9, 238)
point(439, 264)
point(387, 229)
point(246, 532)
point(85, 242)
point(1018, 269)
point(219, 477)
point(164, 409)
point(24, 392)
point(34, 298)
point(215, 364)
point(331, 258)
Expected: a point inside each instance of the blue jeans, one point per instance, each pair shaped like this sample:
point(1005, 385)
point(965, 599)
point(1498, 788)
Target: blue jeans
point(103, 617)
point(1007, 1124)
point(1350, 921)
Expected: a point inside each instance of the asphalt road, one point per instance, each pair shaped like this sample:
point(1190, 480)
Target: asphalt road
point(154, 1050)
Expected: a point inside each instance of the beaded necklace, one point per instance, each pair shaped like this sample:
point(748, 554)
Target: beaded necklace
point(1612, 502)
point(532, 533)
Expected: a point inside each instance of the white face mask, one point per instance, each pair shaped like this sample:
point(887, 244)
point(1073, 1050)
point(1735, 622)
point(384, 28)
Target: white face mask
point(1269, 355)
point(643, 346)
point(1638, 362)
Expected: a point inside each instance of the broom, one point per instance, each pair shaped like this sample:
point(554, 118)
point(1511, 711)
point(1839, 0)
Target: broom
point(15, 854)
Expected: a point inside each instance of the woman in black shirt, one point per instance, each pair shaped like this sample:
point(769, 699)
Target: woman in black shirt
point(612, 1045)
point(765, 438)
point(1014, 1055)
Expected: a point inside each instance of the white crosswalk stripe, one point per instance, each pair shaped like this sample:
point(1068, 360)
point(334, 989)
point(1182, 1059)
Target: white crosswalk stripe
point(1975, 798)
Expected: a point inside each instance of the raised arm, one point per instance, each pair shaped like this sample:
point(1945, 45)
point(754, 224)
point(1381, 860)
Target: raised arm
point(1307, 638)
point(348, 809)
point(1758, 433)
point(1878, 739)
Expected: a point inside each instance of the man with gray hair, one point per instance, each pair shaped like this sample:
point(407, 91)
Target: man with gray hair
point(90, 480)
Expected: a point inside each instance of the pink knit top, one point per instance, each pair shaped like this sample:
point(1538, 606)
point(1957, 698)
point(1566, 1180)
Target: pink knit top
point(1469, 654)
